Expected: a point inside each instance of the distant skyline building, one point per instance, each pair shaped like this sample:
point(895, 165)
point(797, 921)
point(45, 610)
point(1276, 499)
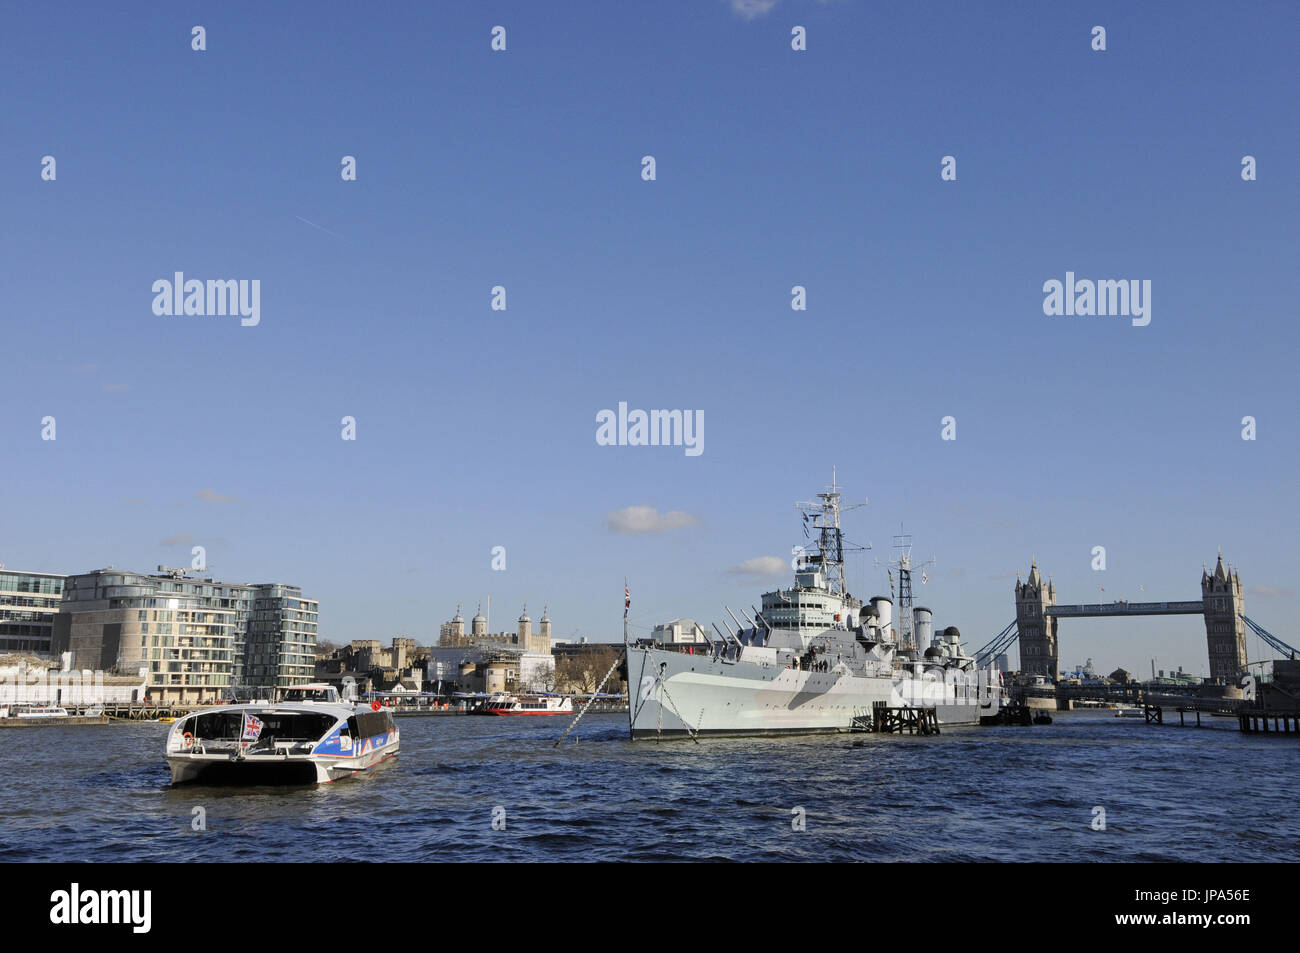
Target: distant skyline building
point(679, 632)
point(504, 661)
point(29, 602)
point(401, 667)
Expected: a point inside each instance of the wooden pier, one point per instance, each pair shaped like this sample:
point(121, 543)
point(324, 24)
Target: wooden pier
point(1015, 713)
point(1251, 720)
point(53, 722)
point(147, 711)
point(1256, 721)
point(898, 721)
point(1155, 714)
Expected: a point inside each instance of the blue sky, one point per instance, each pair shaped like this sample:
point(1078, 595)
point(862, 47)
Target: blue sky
point(475, 428)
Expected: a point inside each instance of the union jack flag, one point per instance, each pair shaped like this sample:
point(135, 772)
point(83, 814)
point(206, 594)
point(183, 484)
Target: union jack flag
point(627, 600)
point(252, 728)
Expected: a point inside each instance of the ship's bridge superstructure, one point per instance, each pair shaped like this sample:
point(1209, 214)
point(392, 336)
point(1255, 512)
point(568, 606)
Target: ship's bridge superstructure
point(809, 604)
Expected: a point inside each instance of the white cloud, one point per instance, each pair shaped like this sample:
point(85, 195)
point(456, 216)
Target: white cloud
point(1268, 592)
point(635, 520)
point(212, 496)
point(761, 566)
point(752, 9)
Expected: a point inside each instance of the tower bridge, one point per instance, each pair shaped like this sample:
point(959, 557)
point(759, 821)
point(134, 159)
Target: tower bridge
point(1222, 606)
point(1128, 608)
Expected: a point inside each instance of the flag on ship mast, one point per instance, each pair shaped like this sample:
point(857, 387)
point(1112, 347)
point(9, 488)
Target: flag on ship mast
point(627, 598)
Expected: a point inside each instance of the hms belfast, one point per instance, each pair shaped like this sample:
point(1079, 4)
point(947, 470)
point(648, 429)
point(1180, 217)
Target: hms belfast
point(813, 659)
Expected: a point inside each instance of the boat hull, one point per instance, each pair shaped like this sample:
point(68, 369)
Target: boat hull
point(271, 769)
point(675, 695)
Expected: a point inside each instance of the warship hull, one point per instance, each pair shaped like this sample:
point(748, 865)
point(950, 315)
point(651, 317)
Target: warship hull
point(677, 694)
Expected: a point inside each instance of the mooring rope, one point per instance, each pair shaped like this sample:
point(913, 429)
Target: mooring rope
point(676, 711)
point(592, 700)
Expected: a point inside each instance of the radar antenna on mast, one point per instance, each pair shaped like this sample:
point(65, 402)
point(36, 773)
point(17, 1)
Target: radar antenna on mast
point(824, 514)
point(903, 563)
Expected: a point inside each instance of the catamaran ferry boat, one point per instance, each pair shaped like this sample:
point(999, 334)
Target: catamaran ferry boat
point(312, 737)
point(813, 659)
point(503, 704)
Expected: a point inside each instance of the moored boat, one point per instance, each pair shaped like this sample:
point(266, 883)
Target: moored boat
point(312, 737)
point(40, 711)
point(813, 659)
point(504, 704)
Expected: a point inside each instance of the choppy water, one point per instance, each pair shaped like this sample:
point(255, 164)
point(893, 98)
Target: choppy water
point(1170, 794)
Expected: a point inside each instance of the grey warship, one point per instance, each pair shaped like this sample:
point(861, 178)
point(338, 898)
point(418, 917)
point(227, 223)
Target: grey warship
point(813, 659)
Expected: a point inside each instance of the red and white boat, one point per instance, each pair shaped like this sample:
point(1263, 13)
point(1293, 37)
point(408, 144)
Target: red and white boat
point(502, 704)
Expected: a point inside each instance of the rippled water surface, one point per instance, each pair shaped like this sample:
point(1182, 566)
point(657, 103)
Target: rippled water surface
point(1169, 793)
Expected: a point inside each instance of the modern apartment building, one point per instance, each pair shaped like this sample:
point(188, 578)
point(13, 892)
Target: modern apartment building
point(281, 643)
point(29, 601)
point(196, 639)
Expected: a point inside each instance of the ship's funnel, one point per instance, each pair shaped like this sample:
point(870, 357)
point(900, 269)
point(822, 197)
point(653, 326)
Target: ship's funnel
point(923, 626)
point(885, 612)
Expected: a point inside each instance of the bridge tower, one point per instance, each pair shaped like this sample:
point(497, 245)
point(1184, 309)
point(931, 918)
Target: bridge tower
point(1038, 645)
point(1225, 629)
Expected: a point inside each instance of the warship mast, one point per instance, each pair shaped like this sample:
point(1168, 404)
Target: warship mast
point(906, 630)
point(824, 512)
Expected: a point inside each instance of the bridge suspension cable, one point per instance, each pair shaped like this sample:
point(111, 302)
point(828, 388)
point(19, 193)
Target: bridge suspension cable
point(997, 645)
point(1270, 639)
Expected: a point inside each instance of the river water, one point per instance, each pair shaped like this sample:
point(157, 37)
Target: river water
point(1009, 793)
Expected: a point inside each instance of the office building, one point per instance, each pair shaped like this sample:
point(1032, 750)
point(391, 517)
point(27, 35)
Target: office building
point(29, 601)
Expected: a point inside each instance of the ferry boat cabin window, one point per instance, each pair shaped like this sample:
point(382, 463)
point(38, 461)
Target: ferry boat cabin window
point(288, 726)
point(370, 723)
point(310, 694)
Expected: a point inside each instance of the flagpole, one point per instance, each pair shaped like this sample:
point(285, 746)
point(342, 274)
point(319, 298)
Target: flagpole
point(627, 604)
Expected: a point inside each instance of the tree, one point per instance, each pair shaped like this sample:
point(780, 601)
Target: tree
point(582, 671)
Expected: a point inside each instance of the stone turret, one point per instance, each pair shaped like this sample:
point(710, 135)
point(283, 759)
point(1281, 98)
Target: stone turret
point(1038, 644)
point(525, 628)
point(1225, 629)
